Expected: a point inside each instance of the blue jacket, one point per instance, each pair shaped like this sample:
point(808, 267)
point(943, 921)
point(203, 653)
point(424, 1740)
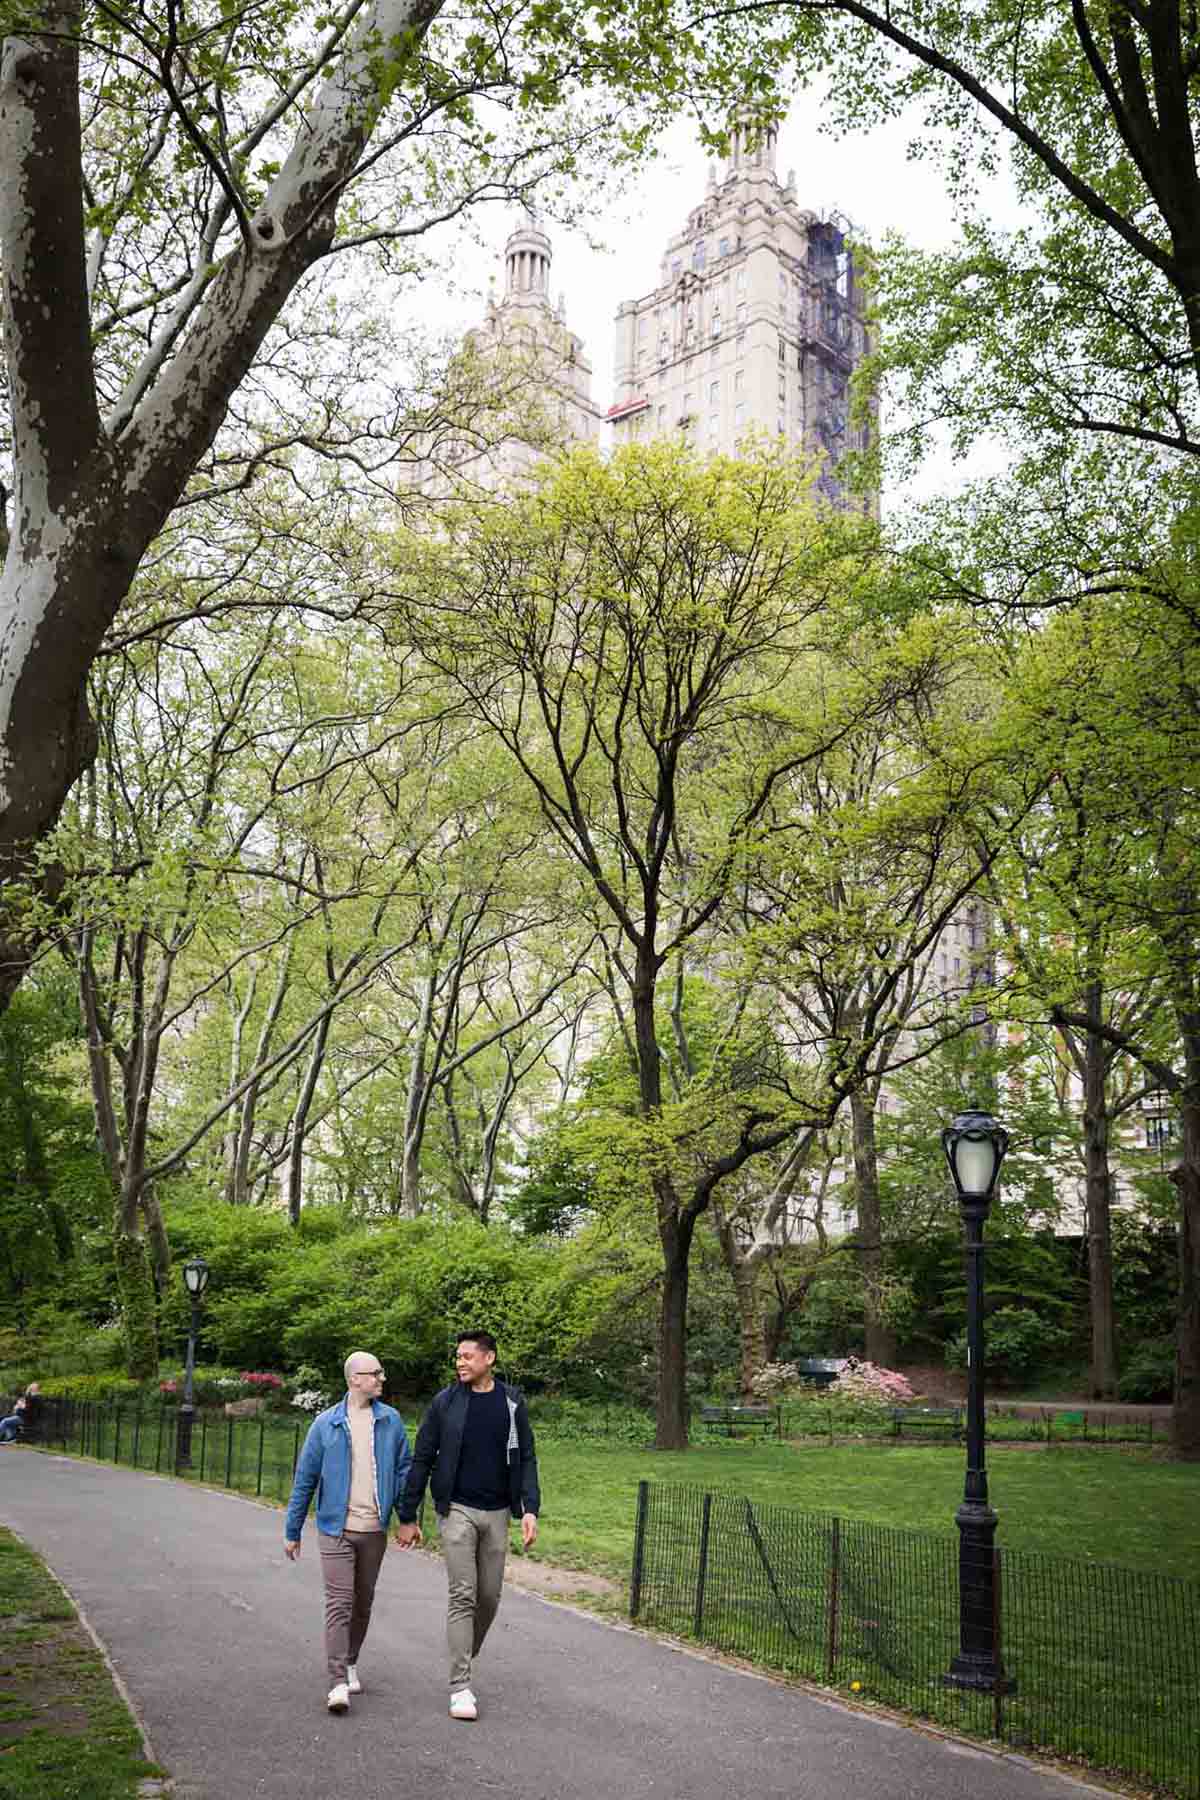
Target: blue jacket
point(325, 1465)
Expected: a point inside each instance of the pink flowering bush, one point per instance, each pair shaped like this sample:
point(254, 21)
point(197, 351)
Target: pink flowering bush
point(866, 1384)
point(259, 1383)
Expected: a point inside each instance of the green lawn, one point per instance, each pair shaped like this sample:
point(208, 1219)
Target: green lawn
point(1108, 1505)
point(64, 1729)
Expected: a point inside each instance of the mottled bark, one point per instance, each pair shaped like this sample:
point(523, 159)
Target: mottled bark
point(89, 497)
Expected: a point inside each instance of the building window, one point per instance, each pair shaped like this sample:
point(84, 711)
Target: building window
point(723, 247)
point(739, 343)
point(642, 326)
point(782, 351)
point(714, 425)
point(662, 418)
point(779, 427)
point(687, 402)
point(741, 315)
point(1159, 1132)
point(714, 392)
point(699, 255)
point(739, 413)
point(739, 381)
point(676, 265)
point(739, 281)
point(716, 323)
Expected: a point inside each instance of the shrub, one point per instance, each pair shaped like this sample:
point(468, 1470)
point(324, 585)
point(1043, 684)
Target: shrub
point(866, 1384)
point(1017, 1343)
point(1150, 1372)
point(775, 1379)
point(97, 1386)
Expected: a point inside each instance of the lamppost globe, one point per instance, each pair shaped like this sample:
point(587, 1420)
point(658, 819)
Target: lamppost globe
point(195, 1276)
point(975, 1146)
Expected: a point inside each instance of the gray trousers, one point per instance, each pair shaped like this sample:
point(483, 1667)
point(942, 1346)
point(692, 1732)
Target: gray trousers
point(474, 1544)
point(350, 1567)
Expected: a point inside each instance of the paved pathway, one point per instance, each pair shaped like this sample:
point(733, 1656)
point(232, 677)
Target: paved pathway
point(218, 1640)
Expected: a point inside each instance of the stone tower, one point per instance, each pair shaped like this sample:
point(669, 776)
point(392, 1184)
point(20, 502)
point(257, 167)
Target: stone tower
point(757, 321)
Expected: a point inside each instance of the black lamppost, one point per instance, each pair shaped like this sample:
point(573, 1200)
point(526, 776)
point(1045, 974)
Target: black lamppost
point(975, 1145)
point(195, 1276)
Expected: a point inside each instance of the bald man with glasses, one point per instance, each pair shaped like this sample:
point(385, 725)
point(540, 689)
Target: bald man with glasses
point(355, 1458)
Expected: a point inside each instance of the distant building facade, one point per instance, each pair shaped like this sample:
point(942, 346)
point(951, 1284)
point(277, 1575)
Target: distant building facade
point(757, 322)
point(522, 385)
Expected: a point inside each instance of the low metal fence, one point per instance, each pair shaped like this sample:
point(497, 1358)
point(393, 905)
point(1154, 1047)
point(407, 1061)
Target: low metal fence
point(1105, 1661)
point(253, 1455)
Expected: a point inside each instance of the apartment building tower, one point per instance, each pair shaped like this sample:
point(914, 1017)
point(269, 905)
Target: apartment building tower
point(757, 322)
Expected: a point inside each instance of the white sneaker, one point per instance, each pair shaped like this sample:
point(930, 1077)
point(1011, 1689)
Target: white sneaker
point(462, 1705)
point(353, 1684)
point(339, 1697)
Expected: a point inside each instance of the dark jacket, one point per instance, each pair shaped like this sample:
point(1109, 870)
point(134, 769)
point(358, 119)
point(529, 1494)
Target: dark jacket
point(439, 1446)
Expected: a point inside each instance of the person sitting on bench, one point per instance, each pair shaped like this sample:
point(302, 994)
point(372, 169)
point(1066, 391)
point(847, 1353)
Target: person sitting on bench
point(23, 1415)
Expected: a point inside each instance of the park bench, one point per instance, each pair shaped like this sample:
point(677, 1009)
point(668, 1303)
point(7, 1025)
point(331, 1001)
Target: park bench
point(946, 1419)
point(819, 1371)
point(765, 1417)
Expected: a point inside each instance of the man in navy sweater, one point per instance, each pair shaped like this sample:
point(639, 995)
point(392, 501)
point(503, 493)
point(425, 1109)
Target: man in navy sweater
point(475, 1449)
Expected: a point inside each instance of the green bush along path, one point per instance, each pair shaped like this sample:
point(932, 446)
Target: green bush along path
point(64, 1729)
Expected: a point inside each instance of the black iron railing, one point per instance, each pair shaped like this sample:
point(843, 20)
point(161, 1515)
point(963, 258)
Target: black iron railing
point(254, 1455)
point(1105, 1661)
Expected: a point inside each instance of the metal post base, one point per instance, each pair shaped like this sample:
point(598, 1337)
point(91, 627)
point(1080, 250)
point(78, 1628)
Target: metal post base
point(183, 1441)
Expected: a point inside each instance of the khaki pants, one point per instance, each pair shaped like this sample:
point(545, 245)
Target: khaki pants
point(474, 1544)
point(350, 1567)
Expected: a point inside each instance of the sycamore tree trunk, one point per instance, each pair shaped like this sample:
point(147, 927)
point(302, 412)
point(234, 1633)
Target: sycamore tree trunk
point(1096, 1125)
point(91, 493)
point(878, 1339)
point(742, 1266)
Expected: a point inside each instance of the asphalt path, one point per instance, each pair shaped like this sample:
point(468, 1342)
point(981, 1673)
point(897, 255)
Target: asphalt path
point(218, 1640)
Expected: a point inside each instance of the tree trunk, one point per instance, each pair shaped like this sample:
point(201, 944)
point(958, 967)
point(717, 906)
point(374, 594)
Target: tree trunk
point(878, 1338)
point(671, 1416)
point(308, 1088)
point(1102, 1382)
point(1185, 1416)
point(156, 1236)
point(743, 1273)
point(135, 1289)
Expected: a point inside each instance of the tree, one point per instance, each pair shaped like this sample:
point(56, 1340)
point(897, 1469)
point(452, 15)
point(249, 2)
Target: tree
point(171, 180)
point(1053, 895)
point(633, 636)
point(872, 859)
point(1110, 694)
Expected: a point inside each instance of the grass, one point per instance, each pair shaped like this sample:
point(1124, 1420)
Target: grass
point(64, 1729)
point(1107, 1505)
